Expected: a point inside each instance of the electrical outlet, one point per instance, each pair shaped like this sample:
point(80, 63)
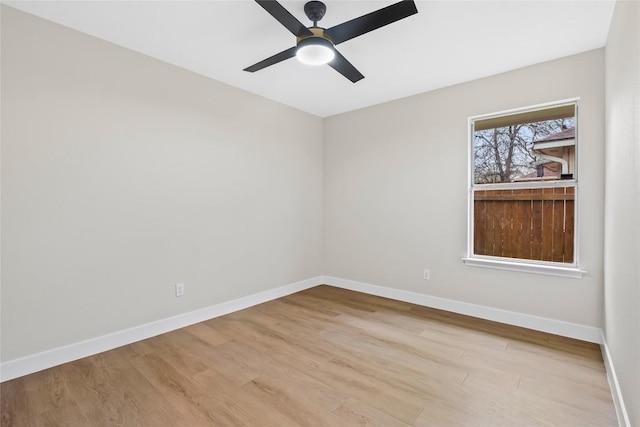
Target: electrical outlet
point(179, 289)
point(426, 274)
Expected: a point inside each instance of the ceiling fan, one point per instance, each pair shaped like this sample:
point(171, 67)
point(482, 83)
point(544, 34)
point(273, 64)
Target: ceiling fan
point(316, 45)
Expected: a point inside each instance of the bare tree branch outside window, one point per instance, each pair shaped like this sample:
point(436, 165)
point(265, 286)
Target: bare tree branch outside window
point(504, 154)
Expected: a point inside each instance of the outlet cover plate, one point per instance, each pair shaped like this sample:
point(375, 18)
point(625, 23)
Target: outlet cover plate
point(179, 289)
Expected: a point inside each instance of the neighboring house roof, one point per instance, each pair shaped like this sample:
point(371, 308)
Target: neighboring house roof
point(568, 133)
point(554, 145)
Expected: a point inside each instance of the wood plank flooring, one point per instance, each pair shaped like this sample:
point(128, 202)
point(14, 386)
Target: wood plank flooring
point(325, 357)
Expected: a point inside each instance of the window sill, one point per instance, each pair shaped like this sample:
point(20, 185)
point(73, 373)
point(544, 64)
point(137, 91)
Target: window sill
point(549, 270)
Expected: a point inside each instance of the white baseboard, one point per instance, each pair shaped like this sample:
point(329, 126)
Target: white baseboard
point(57, 356)
point(543, 324)
point(47, 359)
point(621, 410)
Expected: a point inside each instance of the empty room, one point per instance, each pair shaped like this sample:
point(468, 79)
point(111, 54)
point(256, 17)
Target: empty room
point(304, 213)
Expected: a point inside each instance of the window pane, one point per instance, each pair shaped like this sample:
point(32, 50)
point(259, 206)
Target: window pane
point(532, 223)
point(533, 151)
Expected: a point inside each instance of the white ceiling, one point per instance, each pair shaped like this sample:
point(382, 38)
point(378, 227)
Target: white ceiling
point(447, 42)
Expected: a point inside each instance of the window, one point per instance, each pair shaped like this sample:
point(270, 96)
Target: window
point(523, 189)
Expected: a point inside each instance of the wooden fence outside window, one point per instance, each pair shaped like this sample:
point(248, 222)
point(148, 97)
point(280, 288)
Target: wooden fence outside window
point(533, 224)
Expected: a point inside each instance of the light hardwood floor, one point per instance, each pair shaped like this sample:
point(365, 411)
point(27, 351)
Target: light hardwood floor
point(326, 357)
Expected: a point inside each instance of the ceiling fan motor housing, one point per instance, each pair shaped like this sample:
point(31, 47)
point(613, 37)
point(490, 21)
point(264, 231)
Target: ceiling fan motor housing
point(317, 33)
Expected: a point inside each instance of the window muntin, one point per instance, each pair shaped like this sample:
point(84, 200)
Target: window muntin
point(523, 186)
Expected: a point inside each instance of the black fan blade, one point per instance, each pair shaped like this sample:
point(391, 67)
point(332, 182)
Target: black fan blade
point(283, 16)
point(371, 21)
point(344, 67)
point(278, 57)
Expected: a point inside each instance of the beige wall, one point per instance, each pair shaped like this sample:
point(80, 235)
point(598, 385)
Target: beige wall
point(396, 192)
point(622, 207)
point(123, 175)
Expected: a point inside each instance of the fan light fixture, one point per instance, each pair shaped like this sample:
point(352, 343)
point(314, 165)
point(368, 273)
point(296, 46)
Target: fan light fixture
point(315, 51)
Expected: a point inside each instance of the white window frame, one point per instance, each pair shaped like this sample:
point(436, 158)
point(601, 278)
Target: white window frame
point(571, 270)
